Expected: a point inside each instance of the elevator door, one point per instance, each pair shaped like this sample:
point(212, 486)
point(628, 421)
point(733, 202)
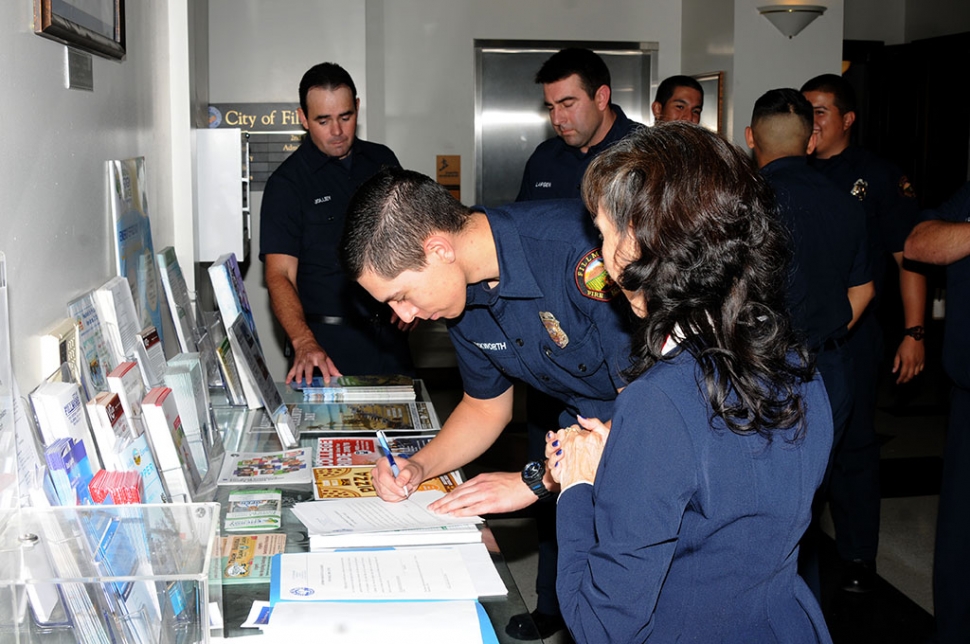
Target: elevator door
point(510, 120)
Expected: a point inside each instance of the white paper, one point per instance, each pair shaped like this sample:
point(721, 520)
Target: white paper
point(258, 615)
point(488, 583)
point(373, 514)
point(455, 622)
point(407, 573)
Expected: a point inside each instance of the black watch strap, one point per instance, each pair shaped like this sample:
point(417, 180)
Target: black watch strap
point(915, 332)
point(532, 475)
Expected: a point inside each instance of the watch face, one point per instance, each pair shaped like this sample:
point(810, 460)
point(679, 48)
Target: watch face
point(533, 470)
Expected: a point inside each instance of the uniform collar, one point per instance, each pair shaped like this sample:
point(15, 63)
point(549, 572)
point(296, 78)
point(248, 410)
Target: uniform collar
point(783, 163)
point(617, 131)
point(621, 125)
point(515, 275)
point(317, 160)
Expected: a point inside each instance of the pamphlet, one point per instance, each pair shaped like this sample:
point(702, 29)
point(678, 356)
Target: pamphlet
point(134, 252)
point(254, 510)
point(248, 558)
point(356, 482)
point(286, 467)
point(348, 451)
point(344, 417)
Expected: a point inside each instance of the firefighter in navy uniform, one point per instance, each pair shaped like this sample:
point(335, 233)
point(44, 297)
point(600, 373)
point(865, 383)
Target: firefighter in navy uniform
point(526, 301)
point(943, 237)
point(331, 324)
point(891, 212)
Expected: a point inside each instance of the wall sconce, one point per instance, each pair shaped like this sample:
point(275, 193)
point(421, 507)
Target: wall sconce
point(791, 18)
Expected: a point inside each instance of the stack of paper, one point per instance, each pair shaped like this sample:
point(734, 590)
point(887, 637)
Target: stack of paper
point(401, 622)
point(346, 389)
point(373, 522)
point(434, 573)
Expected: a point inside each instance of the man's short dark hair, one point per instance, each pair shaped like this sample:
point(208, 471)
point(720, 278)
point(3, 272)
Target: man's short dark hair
point(666, 89)
point(325, 76)
point(592, 71)
point(838, 87)
point(390, 217)
point(782, 101)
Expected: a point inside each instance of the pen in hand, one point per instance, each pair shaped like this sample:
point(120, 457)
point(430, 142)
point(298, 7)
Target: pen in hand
point(382, 439)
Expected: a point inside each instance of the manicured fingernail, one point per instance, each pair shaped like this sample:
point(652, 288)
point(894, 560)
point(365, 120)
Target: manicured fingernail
point(580, 417)
point(557, 464)
point(555, 443)
point(548, 435)
point(559, 453)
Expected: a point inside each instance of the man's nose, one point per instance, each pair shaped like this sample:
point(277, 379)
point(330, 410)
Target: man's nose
point(404, 310)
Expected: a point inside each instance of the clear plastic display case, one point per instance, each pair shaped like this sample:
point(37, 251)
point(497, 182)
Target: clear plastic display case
point(144, 574)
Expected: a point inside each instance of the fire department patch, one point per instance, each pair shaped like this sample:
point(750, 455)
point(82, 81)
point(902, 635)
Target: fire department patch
point(906, 189)
point(554, 329)
point(592, 279)
point(859, 189)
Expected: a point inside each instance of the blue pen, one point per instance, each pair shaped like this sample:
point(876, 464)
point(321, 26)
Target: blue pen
point(382, 439)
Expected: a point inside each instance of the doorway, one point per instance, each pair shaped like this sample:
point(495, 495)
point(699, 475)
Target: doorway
point(510, 120)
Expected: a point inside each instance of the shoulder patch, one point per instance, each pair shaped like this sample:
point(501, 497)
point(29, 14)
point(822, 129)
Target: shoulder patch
point(906, 189)
point(592, 280)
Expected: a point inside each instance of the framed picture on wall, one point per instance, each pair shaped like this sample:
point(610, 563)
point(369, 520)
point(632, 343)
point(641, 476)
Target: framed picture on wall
point(97, 26)
point(712, 117)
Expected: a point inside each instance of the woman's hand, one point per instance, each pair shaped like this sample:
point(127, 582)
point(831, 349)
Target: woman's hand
point(573, 454)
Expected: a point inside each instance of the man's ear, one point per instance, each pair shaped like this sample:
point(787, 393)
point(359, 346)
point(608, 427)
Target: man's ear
point(812, 142)
point(357, 105)
point(749, 137)
point(847, 120)
point(602, 98)
point(302, 115)
point(439, 248)
point(657, 110)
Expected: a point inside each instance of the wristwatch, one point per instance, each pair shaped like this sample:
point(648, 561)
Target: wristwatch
point(915, 332)
point(532, 475)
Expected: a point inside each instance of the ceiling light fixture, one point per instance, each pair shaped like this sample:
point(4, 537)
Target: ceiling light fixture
point(790, 19)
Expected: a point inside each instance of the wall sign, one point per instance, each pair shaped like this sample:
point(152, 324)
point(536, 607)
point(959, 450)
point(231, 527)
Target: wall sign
point(448, 173)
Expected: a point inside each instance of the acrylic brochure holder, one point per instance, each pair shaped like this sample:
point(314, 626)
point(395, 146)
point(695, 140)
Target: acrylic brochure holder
point(144, 574)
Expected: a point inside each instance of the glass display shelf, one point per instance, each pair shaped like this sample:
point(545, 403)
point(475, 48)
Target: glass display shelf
point(110, 573)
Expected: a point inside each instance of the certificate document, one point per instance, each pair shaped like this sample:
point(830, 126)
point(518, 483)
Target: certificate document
point(405, 573)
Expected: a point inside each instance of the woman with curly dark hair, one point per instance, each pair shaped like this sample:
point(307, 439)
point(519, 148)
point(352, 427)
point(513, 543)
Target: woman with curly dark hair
point(682, 522)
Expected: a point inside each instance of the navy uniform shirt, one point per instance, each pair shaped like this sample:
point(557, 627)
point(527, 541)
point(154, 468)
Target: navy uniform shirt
point(887, 196)
point(554, 321)
point(828, 231)
point(302, 215)
point(956, 337)
point(555, 170)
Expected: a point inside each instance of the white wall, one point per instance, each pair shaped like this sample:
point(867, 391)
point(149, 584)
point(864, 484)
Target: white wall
point(258, 51)
point(883, 20)
point(430, 65)
point(931, 18)
point(413, 63)
point(765, 59)
point(707, 45)
point(899, 21)
point(54, 223)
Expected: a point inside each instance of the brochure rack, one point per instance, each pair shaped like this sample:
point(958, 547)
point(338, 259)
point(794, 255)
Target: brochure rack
point(144, 574)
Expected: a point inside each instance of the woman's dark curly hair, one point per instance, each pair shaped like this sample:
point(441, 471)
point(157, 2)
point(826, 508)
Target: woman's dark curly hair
point(713, 261)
